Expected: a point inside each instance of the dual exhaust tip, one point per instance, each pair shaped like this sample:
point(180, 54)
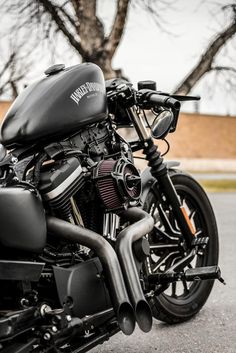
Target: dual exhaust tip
point(126, 293)
point(139, 310)
point(127, 317)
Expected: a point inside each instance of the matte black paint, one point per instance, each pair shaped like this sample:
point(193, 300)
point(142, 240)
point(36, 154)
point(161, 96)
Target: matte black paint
point(20, 270)
point(16, 323)
point(46, 109)
point(85, 286)
point(22, 220)
point(55, 174)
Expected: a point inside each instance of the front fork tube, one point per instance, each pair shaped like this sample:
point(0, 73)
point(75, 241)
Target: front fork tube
point(160, 173)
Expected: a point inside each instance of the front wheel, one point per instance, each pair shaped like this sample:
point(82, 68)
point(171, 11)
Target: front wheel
point(181, 300)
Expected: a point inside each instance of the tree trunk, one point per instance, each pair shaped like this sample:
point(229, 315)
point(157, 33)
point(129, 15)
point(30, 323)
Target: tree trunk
point(91, 42)
point(100, 49)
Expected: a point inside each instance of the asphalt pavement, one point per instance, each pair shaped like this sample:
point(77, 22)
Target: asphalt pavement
point(213, 330)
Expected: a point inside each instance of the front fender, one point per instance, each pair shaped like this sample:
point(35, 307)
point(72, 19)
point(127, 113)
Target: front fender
point(148, 180)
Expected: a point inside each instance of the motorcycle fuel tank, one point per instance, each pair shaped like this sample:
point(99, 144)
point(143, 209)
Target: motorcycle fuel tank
point(56, 106)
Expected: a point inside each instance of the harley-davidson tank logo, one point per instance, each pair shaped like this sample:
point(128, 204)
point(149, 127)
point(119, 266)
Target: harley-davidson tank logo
point(87, 87)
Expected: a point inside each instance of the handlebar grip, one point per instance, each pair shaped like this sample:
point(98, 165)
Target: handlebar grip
point(165, 101)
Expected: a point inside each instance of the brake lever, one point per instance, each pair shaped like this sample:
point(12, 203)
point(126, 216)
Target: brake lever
point(183, 98)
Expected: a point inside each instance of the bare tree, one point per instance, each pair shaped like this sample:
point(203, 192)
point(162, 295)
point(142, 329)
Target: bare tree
point(206, 62)
point(11, 74)
point(5, 67)
point(78, 22)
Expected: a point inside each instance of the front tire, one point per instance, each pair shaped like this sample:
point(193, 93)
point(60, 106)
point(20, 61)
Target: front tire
point(175, 305)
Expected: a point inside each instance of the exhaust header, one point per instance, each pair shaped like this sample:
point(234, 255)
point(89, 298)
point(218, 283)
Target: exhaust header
point(119, 297)
point(142, 224)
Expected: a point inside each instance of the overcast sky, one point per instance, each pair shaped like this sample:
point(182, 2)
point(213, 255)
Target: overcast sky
point(149, 52)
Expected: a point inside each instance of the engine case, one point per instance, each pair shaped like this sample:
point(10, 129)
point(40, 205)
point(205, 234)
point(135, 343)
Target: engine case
point(81, 288)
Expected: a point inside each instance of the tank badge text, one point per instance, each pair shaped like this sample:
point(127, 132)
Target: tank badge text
point(87, 87)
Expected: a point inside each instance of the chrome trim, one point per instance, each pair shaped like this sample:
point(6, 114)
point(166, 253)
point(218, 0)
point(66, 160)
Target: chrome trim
point(187, 259)
point(139, 124)
point(164, 246)
point(164, 260)
point(178, 233)
point(111, 223)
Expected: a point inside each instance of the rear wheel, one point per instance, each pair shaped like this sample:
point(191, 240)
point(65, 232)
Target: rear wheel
point(181, 300)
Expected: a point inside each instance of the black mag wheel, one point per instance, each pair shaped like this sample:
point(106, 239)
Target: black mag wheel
point(181, 300)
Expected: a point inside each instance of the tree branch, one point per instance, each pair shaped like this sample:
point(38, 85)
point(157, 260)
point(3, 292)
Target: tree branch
point(77, 7)
point(90, 29)
point(12, 73)
point(71, 20)
point(223, 68)
point(50, 8)
point(205, 63)
point(117, 30)
point(8, 64)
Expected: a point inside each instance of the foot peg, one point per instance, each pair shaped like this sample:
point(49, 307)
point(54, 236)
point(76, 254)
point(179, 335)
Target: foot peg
point(201, 242)
point(203, 273)
point(192, 274)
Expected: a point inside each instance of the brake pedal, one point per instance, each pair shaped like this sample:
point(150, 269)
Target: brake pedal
point(203, 273)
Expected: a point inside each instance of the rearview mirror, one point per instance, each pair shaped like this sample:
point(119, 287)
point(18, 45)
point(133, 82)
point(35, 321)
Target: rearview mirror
point(162, 124)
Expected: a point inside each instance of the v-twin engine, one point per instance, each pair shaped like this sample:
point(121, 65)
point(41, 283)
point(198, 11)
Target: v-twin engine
point(93, 176)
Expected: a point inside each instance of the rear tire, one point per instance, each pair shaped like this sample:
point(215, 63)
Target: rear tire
point(179, 307)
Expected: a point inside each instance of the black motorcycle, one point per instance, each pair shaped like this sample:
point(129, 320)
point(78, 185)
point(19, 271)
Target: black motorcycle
point(89, 246)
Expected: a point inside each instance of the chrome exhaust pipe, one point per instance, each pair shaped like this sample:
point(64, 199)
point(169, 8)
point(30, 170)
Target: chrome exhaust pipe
point(119, 297)
point(142, 224)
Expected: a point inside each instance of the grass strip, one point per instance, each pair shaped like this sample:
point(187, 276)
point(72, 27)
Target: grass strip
point(222, 185)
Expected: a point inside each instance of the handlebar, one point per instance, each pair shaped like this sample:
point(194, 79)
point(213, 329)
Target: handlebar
point(165, 101)
point(148, 98)
point(122, 95)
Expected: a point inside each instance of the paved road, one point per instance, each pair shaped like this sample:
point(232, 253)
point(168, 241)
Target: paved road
point(214, 329)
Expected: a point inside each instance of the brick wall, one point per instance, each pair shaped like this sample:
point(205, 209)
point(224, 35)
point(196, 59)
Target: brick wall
point(196, 136)
point(200, 136)
point(4, 106)
point(204, 136)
